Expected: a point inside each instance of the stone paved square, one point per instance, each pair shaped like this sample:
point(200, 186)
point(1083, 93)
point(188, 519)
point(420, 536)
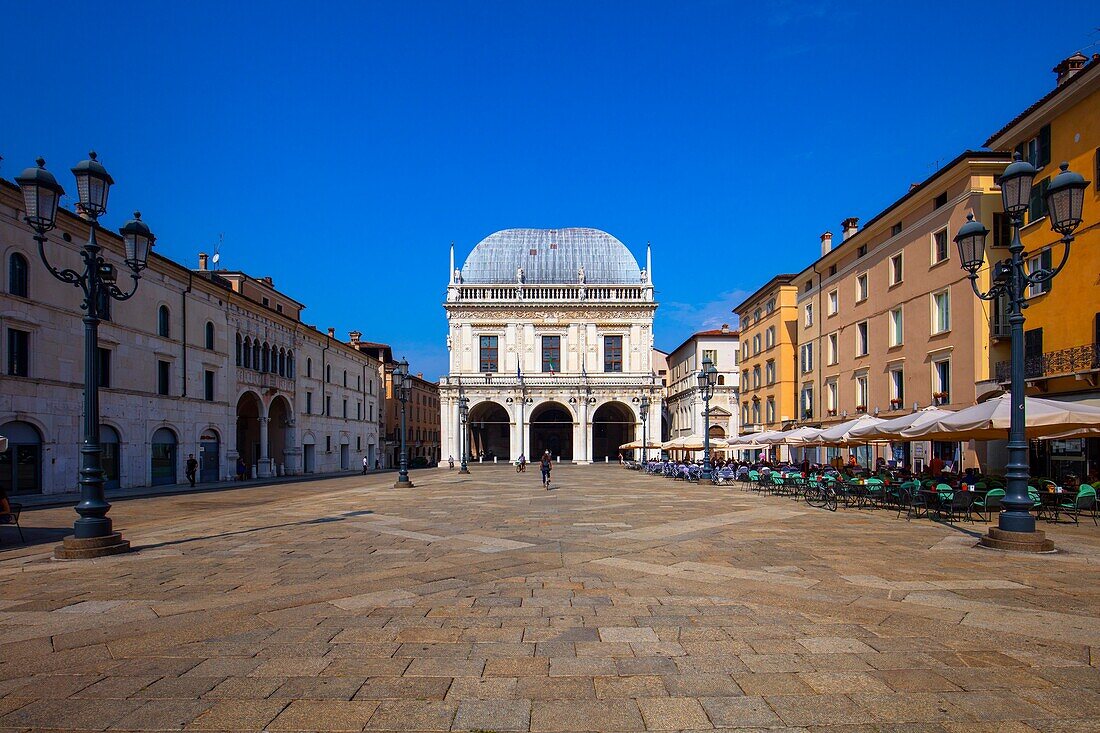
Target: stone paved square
point(615, 602)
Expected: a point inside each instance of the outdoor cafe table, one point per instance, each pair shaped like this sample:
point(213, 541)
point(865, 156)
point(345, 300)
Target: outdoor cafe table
point(933, 497)
point(1053, 500)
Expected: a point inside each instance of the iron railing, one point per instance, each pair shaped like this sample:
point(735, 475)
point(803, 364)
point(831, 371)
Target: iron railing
point(1065, 362)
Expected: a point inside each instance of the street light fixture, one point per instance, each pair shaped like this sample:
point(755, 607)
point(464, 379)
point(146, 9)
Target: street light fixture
point(706, 377)
point(93, 534)
point(402, 385)
point(1064, 201)
point(463, 437)
point(644, 407)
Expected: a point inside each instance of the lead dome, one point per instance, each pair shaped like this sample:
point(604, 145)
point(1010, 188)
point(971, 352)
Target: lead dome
point(551, 256)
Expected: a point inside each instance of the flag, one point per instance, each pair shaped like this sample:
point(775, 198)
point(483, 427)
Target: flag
point(519, 374)
point(551, 361)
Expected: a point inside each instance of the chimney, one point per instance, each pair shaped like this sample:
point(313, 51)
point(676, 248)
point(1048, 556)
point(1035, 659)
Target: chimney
point(420, 375)
point(826, 243)
point(913, 187)
point(267, 279)
point(331, 332)
point(202, 261)
point(725, 328)
point(1067, 68)
point(354, 336)
point(851, 226)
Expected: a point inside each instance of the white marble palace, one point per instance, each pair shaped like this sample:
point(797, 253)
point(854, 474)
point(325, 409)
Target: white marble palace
point(551, 340)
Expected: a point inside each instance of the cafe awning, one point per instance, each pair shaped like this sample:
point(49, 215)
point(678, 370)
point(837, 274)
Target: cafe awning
point(990, 420)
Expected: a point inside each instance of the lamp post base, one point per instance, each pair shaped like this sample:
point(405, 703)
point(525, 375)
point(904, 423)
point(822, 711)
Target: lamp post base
point(74, 548)
point(403, 484)
point(999, 539)
point(464, 470)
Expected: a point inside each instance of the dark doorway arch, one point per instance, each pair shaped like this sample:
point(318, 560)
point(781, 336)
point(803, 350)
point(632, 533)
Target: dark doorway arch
point(163, 457)
point(612, 426)
point(109, 443)
point(21, 463)
point(551, 430)
point(249, 409)
point(209, 456)
point(489, 431)
point(279, 418)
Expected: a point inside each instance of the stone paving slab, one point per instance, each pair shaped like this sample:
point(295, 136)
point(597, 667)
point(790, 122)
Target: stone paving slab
point(616, 602)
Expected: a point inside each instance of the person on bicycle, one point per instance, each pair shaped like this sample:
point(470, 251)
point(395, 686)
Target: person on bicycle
point(546, 464)
point(521, 464)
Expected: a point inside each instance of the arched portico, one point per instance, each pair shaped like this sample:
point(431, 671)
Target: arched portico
point(489, 431)
point(282, 443)
point(552, 430)
point(612, 426)
point(252, 434)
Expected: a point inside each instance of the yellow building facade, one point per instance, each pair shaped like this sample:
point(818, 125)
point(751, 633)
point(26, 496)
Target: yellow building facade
point(768, 321)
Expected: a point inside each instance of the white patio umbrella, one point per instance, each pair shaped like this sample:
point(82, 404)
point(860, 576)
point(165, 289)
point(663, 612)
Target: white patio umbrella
point(637, 445)
point(691, 442)
point(797, 436)
point(841, 434)
point(990, 420)
point(751, 441)
point(892, 429)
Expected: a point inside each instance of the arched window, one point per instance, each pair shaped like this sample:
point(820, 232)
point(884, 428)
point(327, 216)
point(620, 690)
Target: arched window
point(282, 362)
point(210, 335)
point(265, 358)
point(309, 367)
point(345, 378)
point(290, 364)
point(248, 353)
point(163, 323)
point(18, 275)
point(239, 349)
point(328, 373)
point(721, 379)
point(256, 355)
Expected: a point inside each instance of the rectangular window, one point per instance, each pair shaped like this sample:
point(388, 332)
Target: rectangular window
point(18, 352)
point(164, 372)
point(328, 405)
point(208, 385)
point(807, 402)
point(940, 251)
point(834, 352)
point(771, 410)
point(834, 302)
point(769, 371)
point(897, 388)
point(897, 330)
point(809, 314)
point(756, 376)
point(861, 339)
point(940, 200)
point(861, 287)
point(1041, 261)
point(612, 353)
point(328, 444)
point(358, 410)
point(861, 394)
point(309, 403)
point(266, 302)
point(862, 251)
point(756, 344)
point(896, 269)
point(941, 312)
point(1037, 206)
point(809, 286)
point(807, 357)
point(832, 270)
point(769, 337)
point(488, 359)
point(1036, 150)
point(104, 365)
point(831, 397)
point(942, 378)
point(345, 412)
point(551, 354)
point(711, 354)
point(895, 230)
point(1002, 229)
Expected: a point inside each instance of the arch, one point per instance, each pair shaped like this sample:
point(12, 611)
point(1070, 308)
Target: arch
point(309, 367)
point(717, 431)
point(612, 426)
point(21, 463)
point(239, 350)
point(209, 333)
point(265, 358)
point(489, 431)
point(248, 353)
point(552, 430)
point(290, 364)
point(210, 441)
point(18, 275)
point(280, 416)
point(256, 354)
point(282, 362)
point(163, 453)
point(721, 379)
point(164, 321)
point(110, 443)
point(249, 410)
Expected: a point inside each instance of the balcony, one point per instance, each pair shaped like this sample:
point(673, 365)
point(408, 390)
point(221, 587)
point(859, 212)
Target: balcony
point(264, 381)
point(548, 380)
point(551, 293)
point(1079, 361)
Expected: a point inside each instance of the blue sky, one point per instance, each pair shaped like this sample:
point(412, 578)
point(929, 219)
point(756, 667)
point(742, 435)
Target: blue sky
point(341, 147)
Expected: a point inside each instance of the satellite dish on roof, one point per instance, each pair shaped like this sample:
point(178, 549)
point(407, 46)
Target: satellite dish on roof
point(215, 258)
point(217, 254)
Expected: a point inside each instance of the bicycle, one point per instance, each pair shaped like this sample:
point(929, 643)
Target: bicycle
point(821, 497)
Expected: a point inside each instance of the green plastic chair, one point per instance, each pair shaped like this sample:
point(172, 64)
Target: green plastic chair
point(1084, 501)
point(991, 501)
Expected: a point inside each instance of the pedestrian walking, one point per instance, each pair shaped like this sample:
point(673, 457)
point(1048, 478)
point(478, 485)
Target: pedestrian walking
point(191, 468)
point(546, 464)
point(241, 469)
point(366, 465)
point(450, 463)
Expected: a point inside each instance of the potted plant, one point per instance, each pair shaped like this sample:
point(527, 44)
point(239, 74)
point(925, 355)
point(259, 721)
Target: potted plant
point(832, 413)
point(861, 408)
point(895, 404)
point(941, 398)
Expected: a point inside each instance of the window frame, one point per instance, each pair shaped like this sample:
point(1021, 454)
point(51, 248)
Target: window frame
point(863, 287)
point(808, 314)
point(935, 246)
point(18, 265)
point(554, 350)
point(209, 385)
point(863, 392)
point(833, 351)
point(164, 378)
point(897, 385)
point(897, 268)
point(946, 292)
point(164, 321)
point(863, 338)
point(18, 360)
point(833, 299)
point(611, 365)
point(896, 326)
point(1044, 259)
point(488, 353)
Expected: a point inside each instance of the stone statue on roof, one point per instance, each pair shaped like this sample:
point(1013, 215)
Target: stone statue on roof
point(580, 274)
point(520, 276)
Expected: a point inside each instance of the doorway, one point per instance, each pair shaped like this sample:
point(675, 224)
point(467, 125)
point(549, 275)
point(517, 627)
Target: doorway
point(209, 456)
point(552, 430)
point(612, 426)
point(111, 460)
point(489, 427)
point(309, 456)
point(163, 457)
point(21, 463)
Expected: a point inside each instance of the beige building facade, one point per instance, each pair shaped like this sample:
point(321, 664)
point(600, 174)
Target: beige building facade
point(767, 337)
point(685, 406)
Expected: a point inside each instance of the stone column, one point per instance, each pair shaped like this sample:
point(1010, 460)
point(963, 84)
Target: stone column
point(292, 452)
point(263, 466)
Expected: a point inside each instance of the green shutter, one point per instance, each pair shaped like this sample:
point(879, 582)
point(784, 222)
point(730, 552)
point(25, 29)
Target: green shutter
point(1044, 145)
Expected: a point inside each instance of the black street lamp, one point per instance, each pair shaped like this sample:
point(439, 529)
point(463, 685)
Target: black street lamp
point(1064, 201)
point(707, 377)
point(644, 406)
point(464, 444)
point(402, 385)
point(93, 534)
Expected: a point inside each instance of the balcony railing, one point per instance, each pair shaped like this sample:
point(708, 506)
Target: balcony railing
point(264, 380)
point(556, 380)
point(593, 293)
point(1067, 362)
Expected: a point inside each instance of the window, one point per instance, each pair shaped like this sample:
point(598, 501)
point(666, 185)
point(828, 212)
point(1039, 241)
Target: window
point(941, 381)
point(711, 354)
point(208, 385)
point(808, 314)
point(1002, 230)
point(239, 350)
point(862, 251)
point(770, 410)
point(328, 444)
point(551, 354)
point(757, 315)
point(1036, 150)
point(769, 371)
point(831, 396)
point(164, 373)
point(896, 269)
point(487, 361)
point(18, 352)
point(18, 275)
point(861, 287)
point(309, 367)
point(104, 357)
point(861, 339)
point(345, 379)
point(309, 403)
point(745, 414)
point(861, 393)
point(105, 301)
point(897, 388)
point(769, 337)
point(809, 285)
point(895, 230)
point(1041, 261)
point(834, 352)
point(769, 306)
point(1037, 205)
point(266, 302)
point(897, 330)
point(807, 357)
point(163, 323)
point(940, 251)
point(940, 201)
point(209, 335)
point(834, 302)
point(756, 344)
point(328, 372)
point(756, 376)
point(745, 350)
point(358, 410)
point(756, 411)
point(941, 312)
point(807, 402)
point(832, 270)
point(328, 405)
point(345, 412)
point(612, 353)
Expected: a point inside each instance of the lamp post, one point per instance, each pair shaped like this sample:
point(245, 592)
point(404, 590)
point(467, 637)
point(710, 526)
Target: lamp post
point(706, 378)
point(402, 384)
point(645, 418)
point(93, 535)
point(464, 445)
point(1064, 201)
